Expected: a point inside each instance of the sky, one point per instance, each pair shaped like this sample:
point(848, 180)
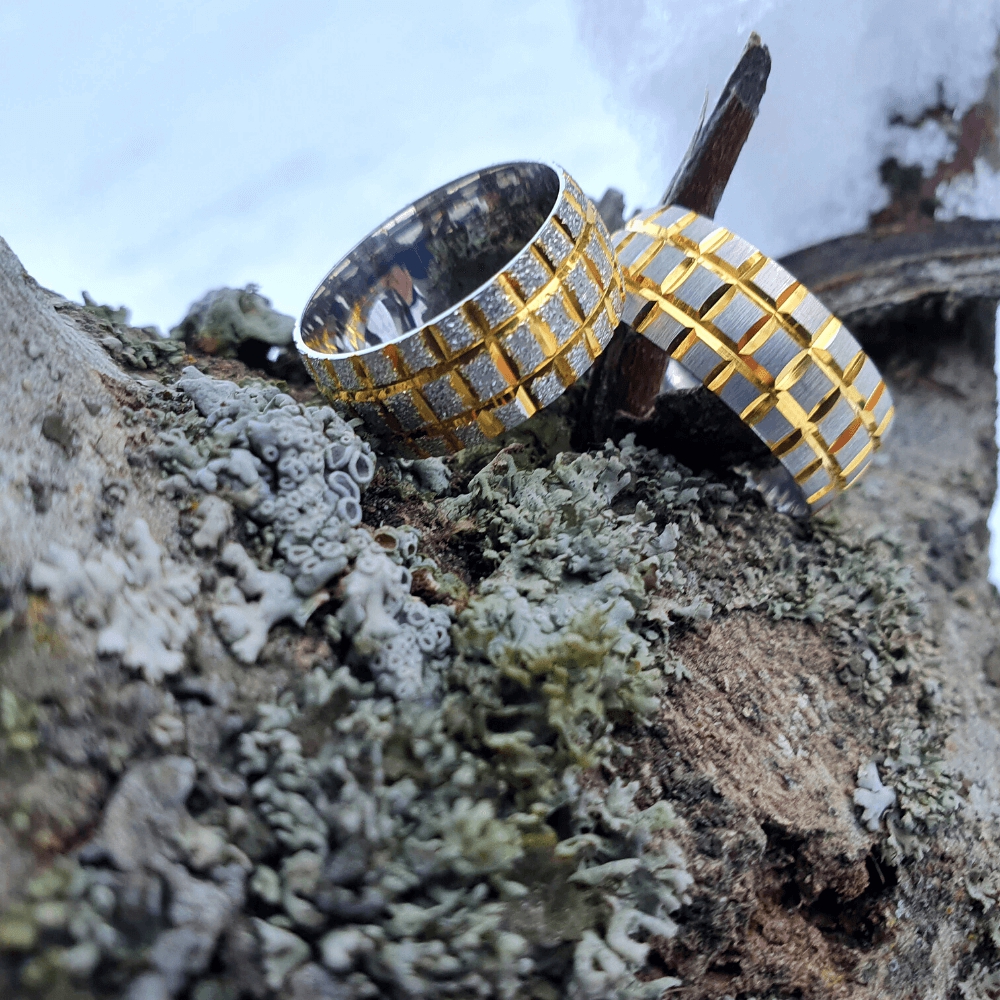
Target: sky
point(156, 150)
point(149, 152)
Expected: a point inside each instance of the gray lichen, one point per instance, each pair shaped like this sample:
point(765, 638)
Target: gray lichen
point(435, 809)
point(297, 475)
point(224, 318)
point(135, 347)
point(244, 624)
point(216, 520)
point(872, 796)
point(416, 848)
point(422, 876)
point(139, 601)
point(169, 878)
point(425, 828)
point(18, 722)
point(296, 471)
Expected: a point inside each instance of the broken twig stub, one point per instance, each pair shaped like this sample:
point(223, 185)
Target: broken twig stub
point(628, 377)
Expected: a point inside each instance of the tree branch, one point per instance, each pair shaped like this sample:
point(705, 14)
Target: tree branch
point(628, 376)
point(708, 164)
point(866, 276)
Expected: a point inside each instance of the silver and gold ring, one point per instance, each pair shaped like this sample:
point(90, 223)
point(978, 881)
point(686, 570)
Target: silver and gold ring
point(740, 324)
point(501, 288)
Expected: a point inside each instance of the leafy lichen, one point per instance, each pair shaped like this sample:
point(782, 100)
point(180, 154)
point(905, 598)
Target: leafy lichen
point(436, 808)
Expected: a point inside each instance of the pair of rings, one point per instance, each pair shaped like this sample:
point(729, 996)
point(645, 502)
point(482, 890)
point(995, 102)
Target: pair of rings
point(482, 302)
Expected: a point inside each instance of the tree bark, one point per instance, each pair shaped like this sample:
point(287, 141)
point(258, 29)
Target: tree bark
point(66, 438)
point(868, 277)
point(787, 894)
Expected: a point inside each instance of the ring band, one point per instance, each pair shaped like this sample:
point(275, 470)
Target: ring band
point(466, 359)
point(741, 325)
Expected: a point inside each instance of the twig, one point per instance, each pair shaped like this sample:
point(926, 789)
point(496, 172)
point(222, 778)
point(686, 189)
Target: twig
point(629, 375)
point(708, 164)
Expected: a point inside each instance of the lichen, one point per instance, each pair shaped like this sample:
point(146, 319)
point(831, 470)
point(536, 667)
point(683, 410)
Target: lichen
point(872, 796)
point(18, 722)
point(296, 474)
point(134, 347)
point(432, 870)
point(296, 471)
point(430, 828)
point(139, 601)
point(436, 808)
point(224, 318)
point(77, 916)
point(244, 625)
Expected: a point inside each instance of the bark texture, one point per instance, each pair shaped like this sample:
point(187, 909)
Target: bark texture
point(768, 714)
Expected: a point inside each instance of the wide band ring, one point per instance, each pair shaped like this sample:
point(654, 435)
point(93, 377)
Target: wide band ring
point(740, 324)
point(501, 288)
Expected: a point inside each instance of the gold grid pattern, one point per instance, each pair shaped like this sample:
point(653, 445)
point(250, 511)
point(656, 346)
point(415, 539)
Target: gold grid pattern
point(508, 350)
point(760, 341)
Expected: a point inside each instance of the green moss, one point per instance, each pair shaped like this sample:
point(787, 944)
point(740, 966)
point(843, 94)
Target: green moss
point(18, 722)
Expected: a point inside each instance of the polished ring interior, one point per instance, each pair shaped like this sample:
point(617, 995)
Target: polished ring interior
point(740, 324)
point(502, 289)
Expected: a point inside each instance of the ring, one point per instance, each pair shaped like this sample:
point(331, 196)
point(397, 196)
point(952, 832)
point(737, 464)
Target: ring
point(467, 311)
point(740, 324)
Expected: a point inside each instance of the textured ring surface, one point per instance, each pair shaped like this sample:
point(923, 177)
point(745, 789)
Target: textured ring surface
point(740, 324)
point(486, 358)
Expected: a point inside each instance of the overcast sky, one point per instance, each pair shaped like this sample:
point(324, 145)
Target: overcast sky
point(153, 150)
point(150, 151)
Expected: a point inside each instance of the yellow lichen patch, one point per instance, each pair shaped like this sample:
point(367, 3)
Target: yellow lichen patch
point(41, 623)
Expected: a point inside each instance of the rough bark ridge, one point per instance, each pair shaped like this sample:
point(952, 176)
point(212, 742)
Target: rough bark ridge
point(868, 277)
point(61, 389)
